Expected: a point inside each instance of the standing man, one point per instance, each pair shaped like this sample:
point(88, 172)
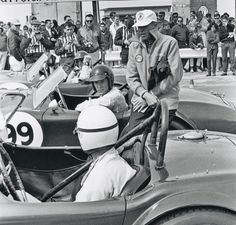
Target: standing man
point(16, 60)
point(36, 44)
point(49, 32)
point(154, 69)
point(89, 35)
point(62, 27)
point(3, 48)
point(66, 47)
point(226, 33)
point(161, 22)
point(113, 28)
point(181, 33)
point(122, 38)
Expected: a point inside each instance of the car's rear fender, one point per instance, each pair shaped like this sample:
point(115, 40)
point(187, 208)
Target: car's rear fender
point(181, 122)
point(178, 201)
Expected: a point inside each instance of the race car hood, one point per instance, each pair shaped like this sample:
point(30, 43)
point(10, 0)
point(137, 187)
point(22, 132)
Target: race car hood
point(193, 95)
point(213, 154)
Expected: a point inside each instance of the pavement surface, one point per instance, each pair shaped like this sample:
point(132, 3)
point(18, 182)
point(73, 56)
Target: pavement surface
point(223, 85)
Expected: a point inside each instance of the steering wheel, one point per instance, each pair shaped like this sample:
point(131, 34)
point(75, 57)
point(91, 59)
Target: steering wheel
point(9, 173)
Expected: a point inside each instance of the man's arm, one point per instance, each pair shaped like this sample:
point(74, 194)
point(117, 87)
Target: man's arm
point(46, 42)
point(59, 48)
point(176, 68)
point(119, 37)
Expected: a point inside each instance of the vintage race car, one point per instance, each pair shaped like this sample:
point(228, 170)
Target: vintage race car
point(36, 123)
point(183, 178)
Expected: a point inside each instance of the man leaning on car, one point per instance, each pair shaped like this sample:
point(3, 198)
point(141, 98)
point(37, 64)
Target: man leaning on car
point(154, 69)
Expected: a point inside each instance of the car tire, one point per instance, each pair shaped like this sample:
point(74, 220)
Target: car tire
point(199, 216)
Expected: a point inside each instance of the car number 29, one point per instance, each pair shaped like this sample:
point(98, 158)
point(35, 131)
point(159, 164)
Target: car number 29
point(24, 129)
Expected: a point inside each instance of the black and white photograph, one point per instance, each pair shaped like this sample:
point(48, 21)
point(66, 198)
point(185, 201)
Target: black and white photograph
point(119, 112)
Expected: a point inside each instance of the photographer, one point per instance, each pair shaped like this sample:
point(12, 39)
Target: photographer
point(89, 36)
point(35, 45)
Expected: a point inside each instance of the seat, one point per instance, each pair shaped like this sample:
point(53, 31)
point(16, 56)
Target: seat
point(139, 181)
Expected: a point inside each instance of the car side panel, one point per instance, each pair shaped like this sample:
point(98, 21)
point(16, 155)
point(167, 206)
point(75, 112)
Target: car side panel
point(185, 200)
point(110, 212)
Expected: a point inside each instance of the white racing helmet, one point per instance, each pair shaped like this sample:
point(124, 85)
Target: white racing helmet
point(97, 127)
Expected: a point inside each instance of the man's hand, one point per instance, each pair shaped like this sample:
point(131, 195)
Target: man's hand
point(150, 99)
point(126, 42)
point(67, 46)
point(139, 104)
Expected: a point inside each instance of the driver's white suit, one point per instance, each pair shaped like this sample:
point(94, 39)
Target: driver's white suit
point(105, 178)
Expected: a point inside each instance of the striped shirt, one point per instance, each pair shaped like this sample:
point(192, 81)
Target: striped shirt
point(66, 40)
point(35, 46)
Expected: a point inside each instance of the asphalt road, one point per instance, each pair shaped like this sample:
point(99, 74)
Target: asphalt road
point(224, 85)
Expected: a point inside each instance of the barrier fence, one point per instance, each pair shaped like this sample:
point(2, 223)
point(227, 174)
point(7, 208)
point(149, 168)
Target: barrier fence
point(185, 53)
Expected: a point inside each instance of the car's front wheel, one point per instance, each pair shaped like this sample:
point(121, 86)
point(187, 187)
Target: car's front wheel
point(199, 216)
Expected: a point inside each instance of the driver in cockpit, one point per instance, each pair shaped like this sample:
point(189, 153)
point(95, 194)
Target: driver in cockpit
point(108, 173)
point(97, 130)
point(102, 79)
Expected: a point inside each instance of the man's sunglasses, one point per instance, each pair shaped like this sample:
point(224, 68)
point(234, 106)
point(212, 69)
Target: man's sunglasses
point(89, 21)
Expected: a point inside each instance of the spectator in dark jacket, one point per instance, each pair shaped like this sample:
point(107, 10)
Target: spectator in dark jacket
point(212, 47)
point(181, 34)
point(3, 48)
point(122, 38)
point(37, 44)
point(226, 33)
point(105, 38)
point(14, 46)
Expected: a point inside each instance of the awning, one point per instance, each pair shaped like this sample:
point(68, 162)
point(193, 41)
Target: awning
point(5, 2)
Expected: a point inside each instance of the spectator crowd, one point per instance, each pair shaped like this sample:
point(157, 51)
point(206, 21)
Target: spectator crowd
point(21, 46)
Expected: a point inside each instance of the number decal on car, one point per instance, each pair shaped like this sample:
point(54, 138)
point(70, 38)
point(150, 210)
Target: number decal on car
point(24, 129)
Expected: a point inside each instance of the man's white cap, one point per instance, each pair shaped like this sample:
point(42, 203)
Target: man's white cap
point(144, 18)
point(16, 22)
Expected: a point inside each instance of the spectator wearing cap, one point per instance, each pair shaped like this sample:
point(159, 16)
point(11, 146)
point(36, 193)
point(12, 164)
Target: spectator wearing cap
point(89, 36)
point(161, 20)
point(36, 44)
point(154, 69)
point(226, 33)
point(123, 36)
point(14, 47)
point(67, 47)
point(3, 48)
